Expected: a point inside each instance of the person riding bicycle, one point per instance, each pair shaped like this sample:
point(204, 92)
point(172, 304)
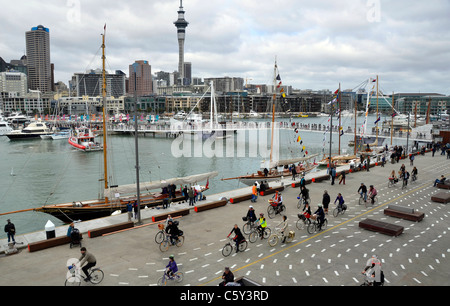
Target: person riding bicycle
point(304, 192)
point(251, 215)
point(238, 238)
point(405, 176)
point(340, 198)
point(172, 267)
point(393, 177)
point(282, 226)
point(320, 215)
point(173, 231)
point(262, 225)
point(414, 173)
point(373, 271)
point(277, 200)
point(90, 260)
point(362, 190)
point(372, 193)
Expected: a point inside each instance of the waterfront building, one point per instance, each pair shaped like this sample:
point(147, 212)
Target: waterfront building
point(90, 84)
point(226, 84)
point(94, 105)
point(38, 59)
point(140, 79)
point(148, 104)
point(13, 83)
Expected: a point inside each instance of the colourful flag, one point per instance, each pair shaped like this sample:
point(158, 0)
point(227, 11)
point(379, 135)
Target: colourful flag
point(378, 120)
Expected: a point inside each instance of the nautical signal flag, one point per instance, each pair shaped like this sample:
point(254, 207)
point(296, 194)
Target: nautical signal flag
point(378, 120)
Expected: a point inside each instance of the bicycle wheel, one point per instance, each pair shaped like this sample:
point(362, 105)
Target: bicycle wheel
point(243, 246)
point(300, 224)
point(299, 204)
point(271, 212)
point(324, 224)
point(162, 281)
point(227, 249)
point(290, 238)
point(390, 183)
point(164, 246)
point(361, 200)
point(336, 212)
point(180, 241)
point(273, 240)
point(159, 237)
point(73, 280)
point(178, 277)
point(282, 209)
point(253, 236)
point(247, 228)
point(96, 276)
point(267, 233)
point(312, 227)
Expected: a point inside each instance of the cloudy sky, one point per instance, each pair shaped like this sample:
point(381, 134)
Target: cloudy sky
point(318, 43)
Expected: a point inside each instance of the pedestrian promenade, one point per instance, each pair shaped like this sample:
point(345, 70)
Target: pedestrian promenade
point(335, 256)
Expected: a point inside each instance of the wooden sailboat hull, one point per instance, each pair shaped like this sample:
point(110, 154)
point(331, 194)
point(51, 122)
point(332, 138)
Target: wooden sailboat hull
point(250, 180)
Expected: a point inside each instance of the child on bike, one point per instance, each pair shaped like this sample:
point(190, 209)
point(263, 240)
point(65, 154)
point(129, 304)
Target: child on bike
point(172, 267)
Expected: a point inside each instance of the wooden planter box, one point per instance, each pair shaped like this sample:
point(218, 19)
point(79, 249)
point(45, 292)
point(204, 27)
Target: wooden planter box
point(109, 229)
point(381, 227)
point(208, 206)
point(404, 213)
point(49, 243)
point(181, 212)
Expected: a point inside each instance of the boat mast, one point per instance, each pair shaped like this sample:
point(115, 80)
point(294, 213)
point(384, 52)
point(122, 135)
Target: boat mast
point(105, 159)
point(340, 115)
point(392, 118)
point(377, 112)
point(273, 107)
point(356, 111)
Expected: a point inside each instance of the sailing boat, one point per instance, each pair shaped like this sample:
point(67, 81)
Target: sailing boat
point(122, 195)
point(272, 173)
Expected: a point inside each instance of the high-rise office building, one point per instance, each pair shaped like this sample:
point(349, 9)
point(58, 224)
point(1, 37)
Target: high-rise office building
point(38, 59)
point(181, 25)
point(140, 78)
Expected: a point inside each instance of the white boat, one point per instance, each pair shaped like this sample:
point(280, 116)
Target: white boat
point(5, 128)
point(61, 135)
point(32, 131)
point(83, 139)
point(254, 114)
point(180, 115)
point(18, 118)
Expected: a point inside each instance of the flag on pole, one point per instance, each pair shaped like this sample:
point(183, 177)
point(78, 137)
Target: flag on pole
point(378, 120)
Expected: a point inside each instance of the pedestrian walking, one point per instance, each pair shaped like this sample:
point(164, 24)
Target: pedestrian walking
point(129, 211)
point(10, 231)
point(135, 208)
point(333, 175)
point(411, 160)
point(342, 177)
point(191, 196)
point(254, 192)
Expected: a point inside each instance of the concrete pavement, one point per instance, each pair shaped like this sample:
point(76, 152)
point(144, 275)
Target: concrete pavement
point(335, 256)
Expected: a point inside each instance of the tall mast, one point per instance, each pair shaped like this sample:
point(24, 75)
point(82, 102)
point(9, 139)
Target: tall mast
point(377, 111)
point(356, 111)
point(273, 106)
point(392, 118)
point(340, 109)
point(105, 159)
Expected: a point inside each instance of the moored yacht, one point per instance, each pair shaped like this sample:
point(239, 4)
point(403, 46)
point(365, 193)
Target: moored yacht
point(33, 131)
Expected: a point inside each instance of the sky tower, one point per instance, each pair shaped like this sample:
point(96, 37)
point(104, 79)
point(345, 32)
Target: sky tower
point(181, 25)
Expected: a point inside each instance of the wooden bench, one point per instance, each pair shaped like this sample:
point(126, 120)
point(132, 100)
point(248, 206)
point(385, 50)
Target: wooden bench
point(208, 206)
point(445, 185)
point(297, 184)
point(247, 282)
point(271, 190)
point(402, 212)
point(381, 227)
point(109, 229)
point(177, 213)
point(442, 197)
point(322, 178)
point(49, 243)
point(242, 198)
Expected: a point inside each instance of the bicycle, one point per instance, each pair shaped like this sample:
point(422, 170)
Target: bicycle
point(368, 201)
point(231, 245)
point(273, 239)
point(161, 235)
point(256, 233)
point(302, 201)
point(248, 227)
point(303, 220)
point(413, 178)
point(405, 183)
point(339, 210)
point(74, 279)
point(177, 277)
point(314, 226)
point(164, 245)
point(275, 209)
point(392, 182)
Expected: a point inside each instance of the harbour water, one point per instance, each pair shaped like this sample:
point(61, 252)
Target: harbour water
point(40, 172)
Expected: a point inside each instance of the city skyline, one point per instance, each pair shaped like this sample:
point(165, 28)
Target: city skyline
point(317, 44)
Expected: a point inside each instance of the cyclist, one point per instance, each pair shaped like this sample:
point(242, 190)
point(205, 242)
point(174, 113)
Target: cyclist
point(414, 173)
point(282, 226)
point(251, 215)
point(90, 260)
point(277, 199)
point(320, 215)
point(304, 192)
point(262, 225)
point(405, 176)
point(340, 198)
point(172, 267)
point(238, 238)
point(373, 270)
point(173, 231)
point(372, 193)
point(393, 176)
point(362, 191)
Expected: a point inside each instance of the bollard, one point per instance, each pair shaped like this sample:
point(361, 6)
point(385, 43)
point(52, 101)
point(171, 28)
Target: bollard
point(50, 229)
